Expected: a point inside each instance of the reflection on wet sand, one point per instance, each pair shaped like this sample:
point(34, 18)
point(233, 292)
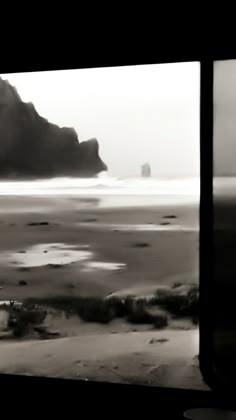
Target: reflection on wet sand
point(139, 227)
point(57, 255)
point(52, 253)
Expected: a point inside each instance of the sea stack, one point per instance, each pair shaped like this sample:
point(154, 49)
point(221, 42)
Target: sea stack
point(146, 170)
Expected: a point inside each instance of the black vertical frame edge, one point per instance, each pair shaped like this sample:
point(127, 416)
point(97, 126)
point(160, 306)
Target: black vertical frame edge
point(206, 224)
point(224, 391)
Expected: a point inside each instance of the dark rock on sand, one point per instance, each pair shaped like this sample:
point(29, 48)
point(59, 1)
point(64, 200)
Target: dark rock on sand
point(165, 223)
point(176, 284)
point(142, 315)
point(33, 147)
point(158, 340)
point(46, 334)
point(38, 224)
point(160, 321)
point(22, 283)
point(171, 216)
point(55, 265)
point(21, 320)
point(181, 301)
point(141, 244)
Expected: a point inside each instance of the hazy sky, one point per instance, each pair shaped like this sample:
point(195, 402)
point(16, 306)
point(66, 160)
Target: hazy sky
point(225, 117)
point(137, 113)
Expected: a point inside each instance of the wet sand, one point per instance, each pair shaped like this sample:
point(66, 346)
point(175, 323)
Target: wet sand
point(169, 255)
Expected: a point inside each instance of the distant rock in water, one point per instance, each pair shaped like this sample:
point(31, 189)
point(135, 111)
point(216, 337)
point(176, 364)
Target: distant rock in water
point(31, 146)
point(146, 170)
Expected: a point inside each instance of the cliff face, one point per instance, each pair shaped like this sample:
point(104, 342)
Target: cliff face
point(30, 146)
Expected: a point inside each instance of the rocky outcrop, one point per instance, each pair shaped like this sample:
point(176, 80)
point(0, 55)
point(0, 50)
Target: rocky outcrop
point(31, 146)
point(146, 170)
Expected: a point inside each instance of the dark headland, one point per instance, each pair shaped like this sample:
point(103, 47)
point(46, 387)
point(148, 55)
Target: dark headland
point(31, 146)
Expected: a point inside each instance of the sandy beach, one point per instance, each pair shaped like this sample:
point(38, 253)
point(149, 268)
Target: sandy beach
point(99, 251)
